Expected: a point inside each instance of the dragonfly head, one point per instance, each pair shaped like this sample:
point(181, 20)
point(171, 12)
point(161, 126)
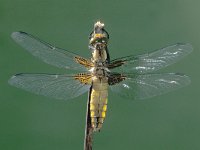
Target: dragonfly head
point(99, 35)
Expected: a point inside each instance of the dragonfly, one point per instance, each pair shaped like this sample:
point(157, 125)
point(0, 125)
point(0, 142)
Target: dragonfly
point(132, 77)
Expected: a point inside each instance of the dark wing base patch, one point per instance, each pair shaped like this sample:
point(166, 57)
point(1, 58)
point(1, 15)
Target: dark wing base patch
point(115, 78)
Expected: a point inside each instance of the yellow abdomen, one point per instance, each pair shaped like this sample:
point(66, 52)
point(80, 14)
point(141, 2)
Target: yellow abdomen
point(98, 103)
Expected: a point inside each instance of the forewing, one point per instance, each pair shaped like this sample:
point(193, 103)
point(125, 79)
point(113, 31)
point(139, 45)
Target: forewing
point(156, 60)
point(55, 86)
point(50, 54)
point(149, 85)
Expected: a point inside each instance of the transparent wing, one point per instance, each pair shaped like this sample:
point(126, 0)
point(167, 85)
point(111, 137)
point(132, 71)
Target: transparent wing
point(153, 61)
point(149, 85)
point(55, 86)
point(50, 54)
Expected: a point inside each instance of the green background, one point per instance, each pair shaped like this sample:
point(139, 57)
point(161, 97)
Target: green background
point(167, 122)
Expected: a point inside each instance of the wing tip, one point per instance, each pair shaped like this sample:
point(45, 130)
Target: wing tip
point(187, 79)
point(13, 35)
point(186, 46)
point(16, 35)
point(13, 79)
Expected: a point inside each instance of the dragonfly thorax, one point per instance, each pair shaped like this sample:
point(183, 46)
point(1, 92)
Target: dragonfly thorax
point(99, 71)
point(99, 56)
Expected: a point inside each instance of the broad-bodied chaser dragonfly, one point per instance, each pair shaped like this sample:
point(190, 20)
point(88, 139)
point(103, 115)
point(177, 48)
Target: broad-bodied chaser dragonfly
point(131, 76)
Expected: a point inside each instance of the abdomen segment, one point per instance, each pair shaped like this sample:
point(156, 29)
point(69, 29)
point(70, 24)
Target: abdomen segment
point(98, 104)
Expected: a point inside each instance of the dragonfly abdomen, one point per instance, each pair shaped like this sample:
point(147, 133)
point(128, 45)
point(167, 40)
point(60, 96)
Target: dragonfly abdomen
point(98, 103)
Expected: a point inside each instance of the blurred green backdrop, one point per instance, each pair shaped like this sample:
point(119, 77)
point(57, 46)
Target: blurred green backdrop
point(167, 122)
